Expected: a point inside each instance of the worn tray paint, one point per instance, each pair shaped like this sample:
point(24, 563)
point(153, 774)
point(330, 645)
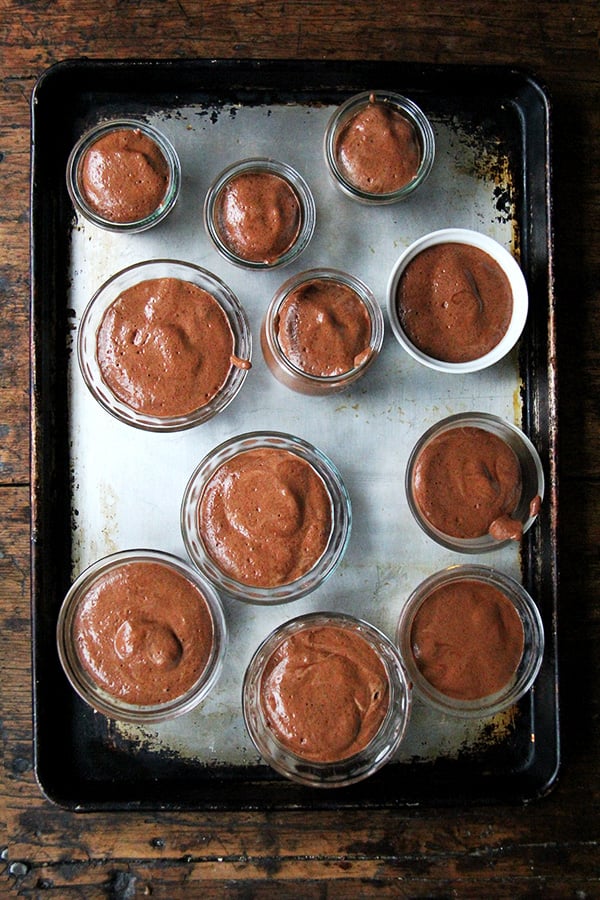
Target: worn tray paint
point(493, 173)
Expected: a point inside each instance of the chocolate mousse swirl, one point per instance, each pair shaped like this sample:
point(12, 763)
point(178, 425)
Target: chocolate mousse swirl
point(265, 517)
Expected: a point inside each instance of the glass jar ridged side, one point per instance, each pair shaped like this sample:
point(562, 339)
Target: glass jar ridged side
point(142, 636)
point(124, 176)
point(266, 517)
point(331, 709)
point(327, 326)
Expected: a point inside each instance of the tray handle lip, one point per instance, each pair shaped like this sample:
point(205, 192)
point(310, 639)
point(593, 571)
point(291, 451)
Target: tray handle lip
point(68, 66)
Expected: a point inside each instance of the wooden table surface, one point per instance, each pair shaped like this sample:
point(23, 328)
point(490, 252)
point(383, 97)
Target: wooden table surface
point(549, 848)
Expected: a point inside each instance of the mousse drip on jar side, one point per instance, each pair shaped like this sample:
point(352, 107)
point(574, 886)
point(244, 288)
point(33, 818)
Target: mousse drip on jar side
point(378, 149)
point(144, 633)
point(324, 693)
point(324, 328)
point(467, 640)
point(258, 216)
point(165, 347)
point(265, 517)
point(454, 302)
point(464, 480)
point(124, 176)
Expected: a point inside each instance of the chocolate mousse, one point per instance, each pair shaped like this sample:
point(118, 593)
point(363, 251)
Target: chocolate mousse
point(324, 693)
point(454, 302)
point(378, 150)
point(124, 176)
point(265, 517)
point(467, 482)
point(165, 347)
point(258, 216)
point(324, 328)
point(467, 639)
point(144, 633)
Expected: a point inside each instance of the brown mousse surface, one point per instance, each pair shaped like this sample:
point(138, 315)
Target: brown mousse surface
point(144, 633)
point(454, 302)
point(324, 693)
point(465, 479)
point(265, 517)
point(467, 639)
point(324, 327)
point(258, 216)
point(165, 347)
point(378, 149)
point(124, 176)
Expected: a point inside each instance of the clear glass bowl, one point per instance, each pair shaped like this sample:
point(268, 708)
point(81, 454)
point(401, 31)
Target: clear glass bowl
point(92, 692)
point(510, 268)
point(532, 478)
point(409, 111)
point(528, 666)
point(77, 192)
point(341, 517)
point(353, 768)
point(299, 188)
point(91, 321)
point(290, 374)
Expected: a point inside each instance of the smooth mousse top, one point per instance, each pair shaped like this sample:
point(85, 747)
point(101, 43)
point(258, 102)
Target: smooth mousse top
point(378, 149)
point(325, 693)
point(165, 347)
point(144, 633)
point(124, 176)
point(467, 639)
point(258, 216)
point(265, 517)
point(454, 302)
point(465, 479)
point(324, 327)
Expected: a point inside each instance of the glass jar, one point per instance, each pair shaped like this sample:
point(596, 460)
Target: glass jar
point(477, 639)
point(153, 645)
point(246, 234)
point(118, 170)
point(236, 366)
point(367, 759)
point(531, 490)
point(255, 529)
point(420, 137)
point(290, 373)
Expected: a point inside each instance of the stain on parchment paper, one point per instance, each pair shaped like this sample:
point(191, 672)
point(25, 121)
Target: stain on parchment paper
point(478, 151)
point(95, 531)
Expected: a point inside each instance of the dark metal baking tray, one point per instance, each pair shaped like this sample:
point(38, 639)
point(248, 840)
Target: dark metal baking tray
point(84, 761)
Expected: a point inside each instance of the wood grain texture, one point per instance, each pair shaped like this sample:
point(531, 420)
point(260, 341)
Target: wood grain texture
point(550, 848)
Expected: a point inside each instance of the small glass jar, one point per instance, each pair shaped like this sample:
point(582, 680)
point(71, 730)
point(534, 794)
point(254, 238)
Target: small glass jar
point(531, 472)
point(516, 281)
point(421, 130)
point(340, 517)
point(532, 648)
point(361, 764)
point(250, 213)
point(129, 277)
point(291, 374)
point(156, 141)
point(80, 676)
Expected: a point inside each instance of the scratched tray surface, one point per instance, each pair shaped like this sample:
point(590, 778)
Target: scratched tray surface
point(114, 487)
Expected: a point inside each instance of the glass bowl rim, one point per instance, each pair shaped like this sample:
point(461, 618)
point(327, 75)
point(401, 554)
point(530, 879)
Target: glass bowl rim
point(201, 277)
point(92, 693)
point(341, 509)
point(93, 134)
